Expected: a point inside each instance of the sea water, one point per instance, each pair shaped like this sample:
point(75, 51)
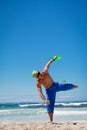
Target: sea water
point(70, 111)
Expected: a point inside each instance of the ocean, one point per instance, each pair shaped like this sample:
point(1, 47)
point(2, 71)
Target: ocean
point(32, 111)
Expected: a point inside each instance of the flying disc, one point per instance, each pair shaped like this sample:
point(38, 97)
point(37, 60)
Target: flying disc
point(59, 58)
point(64, 81)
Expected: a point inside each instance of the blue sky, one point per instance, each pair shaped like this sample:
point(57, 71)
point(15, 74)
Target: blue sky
point(32, 32)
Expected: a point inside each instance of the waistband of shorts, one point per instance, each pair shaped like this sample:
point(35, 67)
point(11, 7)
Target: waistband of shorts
point(51, 86)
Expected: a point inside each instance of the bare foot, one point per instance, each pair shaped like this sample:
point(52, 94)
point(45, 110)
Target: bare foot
point(50, 122)
point(75, 86)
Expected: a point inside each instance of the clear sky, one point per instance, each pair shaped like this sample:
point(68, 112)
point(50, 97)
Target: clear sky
point(31, 33)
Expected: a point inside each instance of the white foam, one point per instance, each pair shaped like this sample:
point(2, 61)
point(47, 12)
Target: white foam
point(70, 112)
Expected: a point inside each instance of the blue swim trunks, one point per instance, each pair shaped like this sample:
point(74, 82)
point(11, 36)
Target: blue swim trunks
point(51, 93)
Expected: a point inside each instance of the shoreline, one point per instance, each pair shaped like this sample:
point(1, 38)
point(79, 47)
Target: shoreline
point(61, 125)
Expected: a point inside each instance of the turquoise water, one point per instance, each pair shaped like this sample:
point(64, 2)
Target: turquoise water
point(76, 111)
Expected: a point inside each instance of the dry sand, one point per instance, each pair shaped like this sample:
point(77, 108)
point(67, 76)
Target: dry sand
point(43, 126)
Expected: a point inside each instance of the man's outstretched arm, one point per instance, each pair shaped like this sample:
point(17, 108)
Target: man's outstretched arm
point(48, 64)
point(41, 94)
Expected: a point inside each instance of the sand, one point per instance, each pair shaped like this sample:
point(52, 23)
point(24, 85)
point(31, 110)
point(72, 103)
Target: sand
point(81, 125)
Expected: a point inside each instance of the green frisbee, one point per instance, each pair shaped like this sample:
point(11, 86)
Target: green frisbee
point(59, 58)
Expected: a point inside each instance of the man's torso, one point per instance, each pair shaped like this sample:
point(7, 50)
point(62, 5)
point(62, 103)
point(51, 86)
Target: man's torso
point(46, 80)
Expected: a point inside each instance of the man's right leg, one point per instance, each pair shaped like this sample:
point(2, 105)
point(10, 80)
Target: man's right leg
point(51, 95)
point(50, 116)
point(50, 110)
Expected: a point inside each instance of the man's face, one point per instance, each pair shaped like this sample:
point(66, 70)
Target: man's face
point(38, 75)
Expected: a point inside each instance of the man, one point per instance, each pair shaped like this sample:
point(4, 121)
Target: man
point(51, 87)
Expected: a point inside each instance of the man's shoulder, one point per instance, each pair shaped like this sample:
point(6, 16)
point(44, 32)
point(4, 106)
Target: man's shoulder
point(44, 72)
point(37, 82)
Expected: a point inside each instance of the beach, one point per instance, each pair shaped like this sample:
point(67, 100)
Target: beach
point(72, 111)
point(82, 125)
point(33, 116)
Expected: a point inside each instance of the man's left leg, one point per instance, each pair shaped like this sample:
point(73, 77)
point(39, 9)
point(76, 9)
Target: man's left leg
point(65, 87)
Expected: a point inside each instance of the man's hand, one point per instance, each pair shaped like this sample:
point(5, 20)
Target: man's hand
point(47, 102)
point(55, 57)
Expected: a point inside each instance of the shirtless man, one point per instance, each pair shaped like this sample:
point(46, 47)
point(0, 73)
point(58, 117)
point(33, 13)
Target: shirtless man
point(51, 87)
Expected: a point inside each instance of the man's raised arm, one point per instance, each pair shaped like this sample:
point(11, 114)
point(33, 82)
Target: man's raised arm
point(48, 64)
